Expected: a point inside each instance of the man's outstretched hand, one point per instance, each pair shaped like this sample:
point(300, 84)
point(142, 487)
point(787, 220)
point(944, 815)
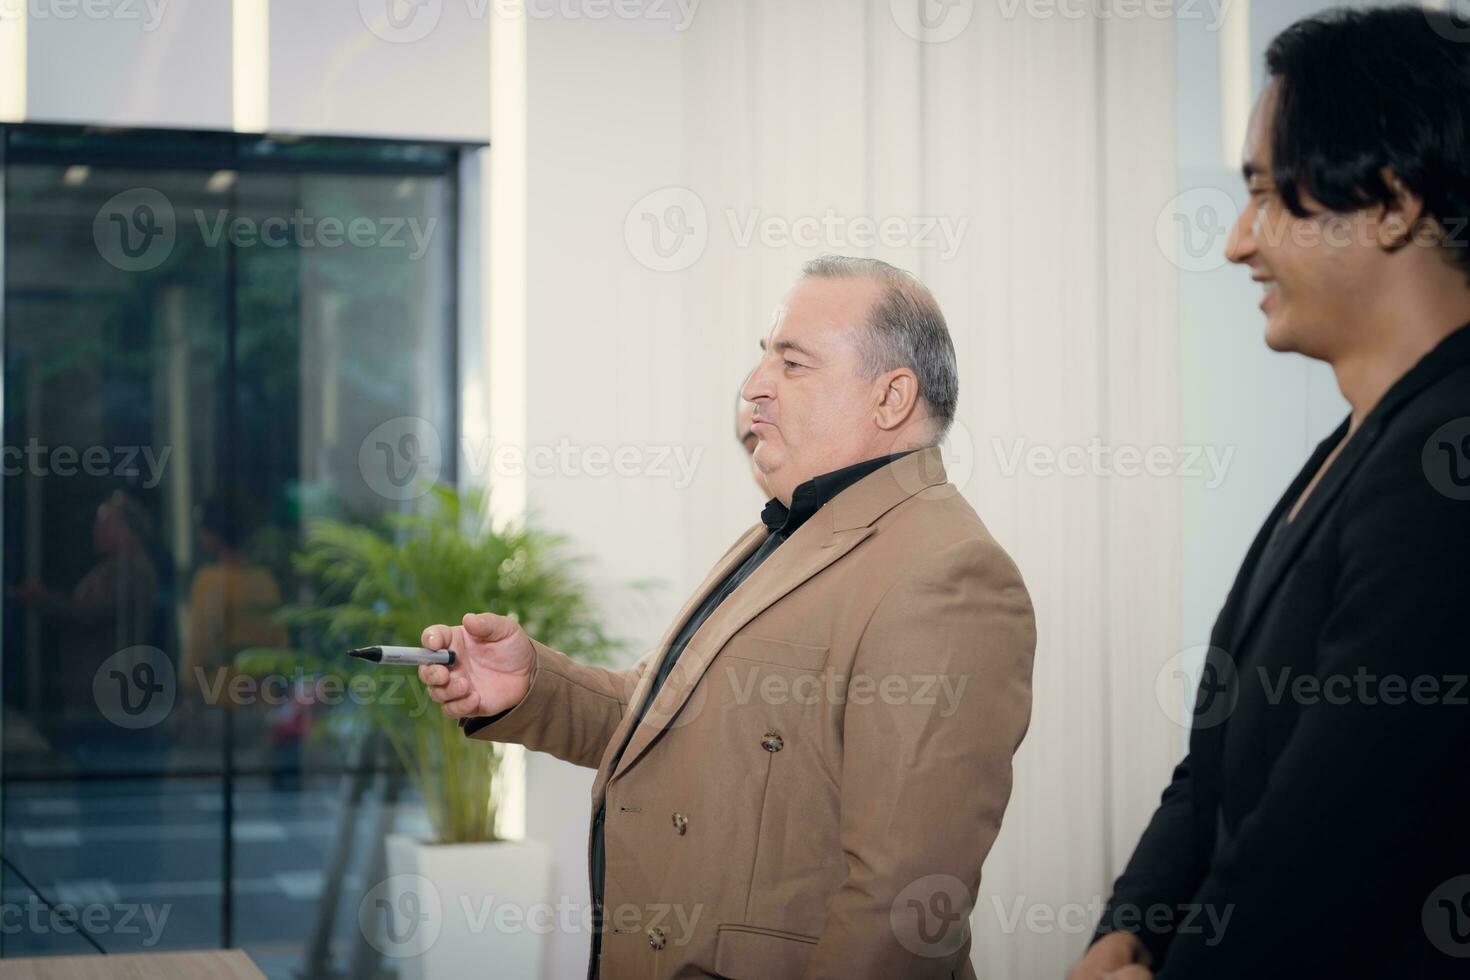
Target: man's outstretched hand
point(493, 663)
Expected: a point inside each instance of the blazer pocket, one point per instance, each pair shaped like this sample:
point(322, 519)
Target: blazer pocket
point(780, 653)
point(751, 953)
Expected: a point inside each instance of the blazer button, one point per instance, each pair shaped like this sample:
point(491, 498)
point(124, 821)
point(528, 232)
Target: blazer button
point(681, 824)
point(771, 742)
point(656, 938)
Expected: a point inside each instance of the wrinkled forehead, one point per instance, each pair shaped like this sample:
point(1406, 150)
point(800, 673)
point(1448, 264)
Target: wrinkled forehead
point(822, 317)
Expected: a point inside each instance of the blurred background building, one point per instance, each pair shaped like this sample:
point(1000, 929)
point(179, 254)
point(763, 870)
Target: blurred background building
point(266, 262)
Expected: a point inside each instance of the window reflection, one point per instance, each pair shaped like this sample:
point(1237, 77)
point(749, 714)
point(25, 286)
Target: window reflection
point(192, 368)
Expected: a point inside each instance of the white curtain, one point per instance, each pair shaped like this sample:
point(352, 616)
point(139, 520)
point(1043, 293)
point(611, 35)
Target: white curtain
point(1020, 167)
point(1045, 146)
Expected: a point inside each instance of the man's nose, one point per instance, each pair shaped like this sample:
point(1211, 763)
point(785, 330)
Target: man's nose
point(1240, 246)
point(756, 385)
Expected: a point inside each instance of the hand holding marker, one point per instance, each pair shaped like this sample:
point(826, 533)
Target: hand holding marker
point(410, 656)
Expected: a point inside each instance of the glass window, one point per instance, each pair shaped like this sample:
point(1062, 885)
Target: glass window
point(207, 341)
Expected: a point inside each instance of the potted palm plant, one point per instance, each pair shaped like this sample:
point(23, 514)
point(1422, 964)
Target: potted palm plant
point(463, 894)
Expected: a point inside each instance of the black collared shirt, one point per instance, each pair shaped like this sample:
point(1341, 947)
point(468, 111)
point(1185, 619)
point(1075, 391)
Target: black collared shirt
point(781, 522)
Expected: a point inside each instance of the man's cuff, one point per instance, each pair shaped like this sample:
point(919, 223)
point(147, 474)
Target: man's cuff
point(1156, 941)
point(473, 724)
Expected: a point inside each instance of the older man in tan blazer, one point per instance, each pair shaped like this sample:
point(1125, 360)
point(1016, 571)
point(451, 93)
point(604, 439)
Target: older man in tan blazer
point(804, 777)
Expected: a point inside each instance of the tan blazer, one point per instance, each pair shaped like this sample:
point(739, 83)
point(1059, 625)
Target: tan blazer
point(817, 784)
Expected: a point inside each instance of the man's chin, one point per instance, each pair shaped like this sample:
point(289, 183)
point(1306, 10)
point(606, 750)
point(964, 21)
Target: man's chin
point(1278, 336)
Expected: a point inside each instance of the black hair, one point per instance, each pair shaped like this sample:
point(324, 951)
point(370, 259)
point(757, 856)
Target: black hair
point(1365, 89)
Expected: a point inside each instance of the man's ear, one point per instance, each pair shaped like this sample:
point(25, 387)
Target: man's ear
point(898, 395)
point(1402, 217)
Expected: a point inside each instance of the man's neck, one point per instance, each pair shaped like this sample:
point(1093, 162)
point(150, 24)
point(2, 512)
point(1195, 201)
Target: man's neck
point(1391, 349)
point(887, 447)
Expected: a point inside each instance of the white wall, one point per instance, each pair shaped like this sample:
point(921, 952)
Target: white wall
point(1268, 410)
point(322, 68)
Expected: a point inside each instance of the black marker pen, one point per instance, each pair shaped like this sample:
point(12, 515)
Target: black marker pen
point(410, 656)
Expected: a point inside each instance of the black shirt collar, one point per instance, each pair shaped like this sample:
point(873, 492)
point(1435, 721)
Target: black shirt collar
point(808, 498)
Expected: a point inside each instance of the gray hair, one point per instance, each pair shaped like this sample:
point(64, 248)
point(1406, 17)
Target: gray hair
point(905, 330)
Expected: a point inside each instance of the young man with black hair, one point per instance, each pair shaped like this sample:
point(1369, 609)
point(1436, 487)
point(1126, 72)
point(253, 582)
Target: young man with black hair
point(1316, 827)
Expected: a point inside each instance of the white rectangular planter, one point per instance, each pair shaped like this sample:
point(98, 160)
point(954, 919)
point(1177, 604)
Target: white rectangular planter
point(450, 911)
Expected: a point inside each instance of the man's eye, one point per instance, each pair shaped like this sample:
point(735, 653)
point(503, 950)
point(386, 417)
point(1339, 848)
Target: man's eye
point(790, 364)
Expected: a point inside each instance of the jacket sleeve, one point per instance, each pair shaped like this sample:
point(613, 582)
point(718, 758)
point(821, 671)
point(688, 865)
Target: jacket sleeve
point(1368, 797)
point(924, 785)
point(1165, 871)
point(570, 711)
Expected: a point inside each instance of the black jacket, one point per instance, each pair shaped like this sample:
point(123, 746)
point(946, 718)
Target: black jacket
point(1319, 825)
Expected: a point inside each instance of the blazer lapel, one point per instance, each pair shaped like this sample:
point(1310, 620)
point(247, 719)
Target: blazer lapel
point(829, 534)
point(742, 549)
point(1272, 567)
point(1451, 353)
